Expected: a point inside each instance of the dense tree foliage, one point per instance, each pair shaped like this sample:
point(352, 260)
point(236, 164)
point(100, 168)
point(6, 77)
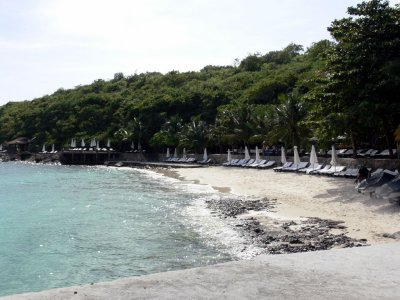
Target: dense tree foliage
point(347, 87)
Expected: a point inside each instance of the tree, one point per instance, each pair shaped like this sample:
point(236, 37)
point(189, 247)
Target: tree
point(362, 82)
point(288, 118)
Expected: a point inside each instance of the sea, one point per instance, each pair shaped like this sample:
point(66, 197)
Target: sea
point(70, 225)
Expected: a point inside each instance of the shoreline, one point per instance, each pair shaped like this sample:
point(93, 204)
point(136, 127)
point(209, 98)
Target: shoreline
point(302, 197)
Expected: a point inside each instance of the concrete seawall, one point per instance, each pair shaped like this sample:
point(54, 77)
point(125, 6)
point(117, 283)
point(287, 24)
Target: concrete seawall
point(352, 273)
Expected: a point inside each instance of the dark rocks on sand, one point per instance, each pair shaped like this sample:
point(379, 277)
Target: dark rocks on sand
point(231, 207)
point(395, 235)
point(310, 234)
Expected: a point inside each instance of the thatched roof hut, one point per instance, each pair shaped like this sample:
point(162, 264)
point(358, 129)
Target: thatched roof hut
point(19, 141)
point(20, 144)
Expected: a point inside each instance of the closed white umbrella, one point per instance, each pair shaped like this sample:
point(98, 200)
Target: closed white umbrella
point(205, 154)
point(72, 143)
point(334, 159)
point(229, 158)
point(108, 143)
point(139, 146)
point(246, 153)
point(133, 145)
point(52, 149)
point(184, 153)
point(44, 148)
point(176, 153)
point(296, 158)
point(1, 147)
point(168, 154)
point(82, 143)
point(313, 157)
point(257, 154)
point(283, 156)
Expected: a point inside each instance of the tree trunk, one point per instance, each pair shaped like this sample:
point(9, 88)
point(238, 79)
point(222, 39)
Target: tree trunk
point(388, 137)
point(353, 144)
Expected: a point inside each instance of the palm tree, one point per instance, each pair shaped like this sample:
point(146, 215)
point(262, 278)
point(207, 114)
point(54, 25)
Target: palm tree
point(288, 120)
point(123, 137)
point(194, 135)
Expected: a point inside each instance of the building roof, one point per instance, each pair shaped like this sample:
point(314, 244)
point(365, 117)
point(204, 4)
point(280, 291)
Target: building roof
point(19, 141)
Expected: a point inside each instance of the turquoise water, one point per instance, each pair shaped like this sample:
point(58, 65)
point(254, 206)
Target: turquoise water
point(69, 225)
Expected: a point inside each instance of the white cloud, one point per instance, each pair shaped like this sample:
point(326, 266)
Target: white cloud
point(48, 44)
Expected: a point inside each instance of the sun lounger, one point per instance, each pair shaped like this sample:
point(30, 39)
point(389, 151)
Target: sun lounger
point(204, 162)
point(389, 190)
point(341, 152)
point(377, 180)
point(285, 165)
point(348, 153)
point(257, 163)
point(267, 165)
point(311, 168)
point(326, 168)
point(332, 170)
point(240, 162)
point(229, 163)
point(319, 170)
point(251, 161)
point(349, 172)
point(295, 167)
point(385, 153)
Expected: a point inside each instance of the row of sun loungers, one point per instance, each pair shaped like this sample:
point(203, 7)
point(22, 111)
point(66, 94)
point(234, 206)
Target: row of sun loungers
point(181, 160)
point(91, 149)
point(372, 153)
point(319, 169)
point(188, 160)
point(250, 163)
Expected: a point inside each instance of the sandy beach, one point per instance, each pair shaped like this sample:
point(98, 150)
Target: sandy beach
point(300, 195)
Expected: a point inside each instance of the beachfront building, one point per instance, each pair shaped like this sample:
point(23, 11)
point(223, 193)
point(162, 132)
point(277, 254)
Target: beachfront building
point(18, 145)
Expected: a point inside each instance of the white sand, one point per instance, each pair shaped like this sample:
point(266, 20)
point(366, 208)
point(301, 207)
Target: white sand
point(301, 195)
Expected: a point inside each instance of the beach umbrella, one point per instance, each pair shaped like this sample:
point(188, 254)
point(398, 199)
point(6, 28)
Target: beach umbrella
point(229, 158)
point(72, 143)
point(184, 153)
point(168, 155)
point(82, 143)
point(296, 158)
point(1, 147)
point(176, 153)
point(44, 148)
point(257, 154)
point(313, 157)
point(98, 145)
point(205, 154)
point(246, 153)
point(133, 145)
point(334, 159)
point(283, 156)
point(52, 148)
point(108, 143)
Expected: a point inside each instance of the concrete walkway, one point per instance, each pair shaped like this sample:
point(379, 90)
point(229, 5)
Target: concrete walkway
point(356, 273)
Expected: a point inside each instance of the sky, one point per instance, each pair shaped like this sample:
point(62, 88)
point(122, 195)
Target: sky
point(50, 44)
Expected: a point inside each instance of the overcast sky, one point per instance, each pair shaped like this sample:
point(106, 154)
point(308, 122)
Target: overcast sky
point(49, 44)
